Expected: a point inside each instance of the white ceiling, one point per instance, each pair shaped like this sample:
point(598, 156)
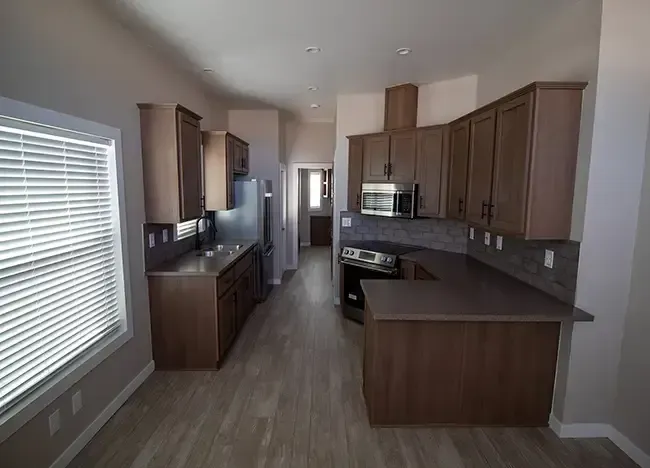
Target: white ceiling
point(257, 47)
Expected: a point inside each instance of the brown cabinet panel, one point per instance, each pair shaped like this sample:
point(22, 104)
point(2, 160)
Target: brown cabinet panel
point(355, 173)
point(401, 164)
point(459, 157)
point(481, 158)
point(190, 167)
point(430, 171)
point(245, 160)
point(407, 270)
point(376, 150)
point(401, 107)
point(511, 165)
point(239, 156)
point(219, 156)
point(227, 317)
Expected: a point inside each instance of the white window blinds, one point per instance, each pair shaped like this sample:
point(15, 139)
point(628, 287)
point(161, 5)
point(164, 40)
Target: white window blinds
point(58, 287)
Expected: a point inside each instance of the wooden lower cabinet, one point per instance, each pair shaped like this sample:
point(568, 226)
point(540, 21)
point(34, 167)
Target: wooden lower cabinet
point(419, 373)
point(194, 320)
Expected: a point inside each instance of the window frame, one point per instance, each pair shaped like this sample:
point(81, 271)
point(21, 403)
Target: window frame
point(55, 386)
point(320, 190)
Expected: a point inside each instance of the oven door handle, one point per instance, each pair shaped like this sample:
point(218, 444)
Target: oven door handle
point(367, 266)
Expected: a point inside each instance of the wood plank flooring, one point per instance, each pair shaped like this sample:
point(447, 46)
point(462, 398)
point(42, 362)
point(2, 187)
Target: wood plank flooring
point(289, 395)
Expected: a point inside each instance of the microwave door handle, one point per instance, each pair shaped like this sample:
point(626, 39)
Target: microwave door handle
point(398, 202)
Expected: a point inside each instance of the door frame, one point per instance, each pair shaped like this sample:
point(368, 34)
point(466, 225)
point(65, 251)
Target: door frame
point(283, 219)
point(293, 201)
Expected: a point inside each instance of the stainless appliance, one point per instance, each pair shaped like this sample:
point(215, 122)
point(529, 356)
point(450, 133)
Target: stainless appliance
point(367, 260)
point(252, 219)
point(388, 199)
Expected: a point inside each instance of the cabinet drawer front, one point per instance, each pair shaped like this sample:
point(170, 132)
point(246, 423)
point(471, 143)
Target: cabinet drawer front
point(225, 281)
point(243, 264)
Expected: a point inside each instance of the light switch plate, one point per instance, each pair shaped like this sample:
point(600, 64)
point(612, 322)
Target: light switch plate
point(77, 402)
point(55, 422)
point(346, 222)
point(499, 242)
point(487, 238)
point(165, 235)
point(152, 240)
point(471, 233)
point(549, 256)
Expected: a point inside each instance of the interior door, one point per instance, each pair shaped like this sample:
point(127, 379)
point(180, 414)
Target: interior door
point(189, 167)
point(511, 160)
point(355, 173)
point(481, 158)
point(376, 149)
point(459, 156)
point(429, 170)
point(402, 156)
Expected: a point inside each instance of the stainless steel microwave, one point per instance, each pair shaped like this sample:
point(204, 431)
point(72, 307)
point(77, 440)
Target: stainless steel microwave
point(388, 199)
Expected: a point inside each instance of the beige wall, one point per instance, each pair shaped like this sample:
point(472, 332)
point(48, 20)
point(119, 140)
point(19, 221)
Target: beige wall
point(70, 57)
point(444, 101)
point(305, 213)
point(564, 47)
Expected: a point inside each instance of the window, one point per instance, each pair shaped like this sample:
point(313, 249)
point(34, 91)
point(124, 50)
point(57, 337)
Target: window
point(315, 190)
point(187, 229)
point(62, 287)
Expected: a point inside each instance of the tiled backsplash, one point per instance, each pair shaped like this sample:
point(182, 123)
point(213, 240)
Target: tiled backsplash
point(439, 234)
point(163, 252)
point(525, 261)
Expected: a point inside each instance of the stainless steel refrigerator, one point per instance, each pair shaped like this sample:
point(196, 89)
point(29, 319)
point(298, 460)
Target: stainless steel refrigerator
point(252, 219)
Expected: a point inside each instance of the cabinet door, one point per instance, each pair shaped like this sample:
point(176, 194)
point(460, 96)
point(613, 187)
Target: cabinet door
point(459, 155)
point(481, 158)
point(231, 153)
point(245, 160)
point(407, 270)
point(243, 302)
point(239, 156)
point(189, 165)
point(401, 107)
point(355, 171)
point(511, 165)
point(401, 167)
point(227, 317)
point(429, 171)
point(375, 158)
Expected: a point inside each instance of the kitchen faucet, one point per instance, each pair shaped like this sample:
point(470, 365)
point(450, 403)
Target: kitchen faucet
point(209, 222)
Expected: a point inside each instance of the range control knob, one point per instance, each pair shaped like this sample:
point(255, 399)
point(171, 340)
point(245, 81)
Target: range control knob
point(346, 252)
point(389, 259)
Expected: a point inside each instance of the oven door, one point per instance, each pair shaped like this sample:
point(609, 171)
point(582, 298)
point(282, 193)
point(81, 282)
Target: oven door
point(353, 300)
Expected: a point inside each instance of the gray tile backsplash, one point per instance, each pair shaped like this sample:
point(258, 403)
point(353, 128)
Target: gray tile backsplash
point(163, 252)
point(525, 261)
point(439, 234)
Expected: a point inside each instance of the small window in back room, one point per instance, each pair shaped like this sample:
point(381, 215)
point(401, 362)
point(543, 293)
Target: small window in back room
point(315, 186)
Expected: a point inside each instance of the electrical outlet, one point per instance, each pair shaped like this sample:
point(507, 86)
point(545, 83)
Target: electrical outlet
point(77, 402)
point(471, 233)
point(549, 256)
point(346, 222)
point(55, 422)
point(152, 240)
point(487, 238)
point(499, 242)
point(165, 235)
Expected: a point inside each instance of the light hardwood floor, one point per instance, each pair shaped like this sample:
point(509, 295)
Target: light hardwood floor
point(289, 395)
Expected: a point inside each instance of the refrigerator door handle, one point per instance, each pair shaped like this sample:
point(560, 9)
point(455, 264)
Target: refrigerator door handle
point(269, 251)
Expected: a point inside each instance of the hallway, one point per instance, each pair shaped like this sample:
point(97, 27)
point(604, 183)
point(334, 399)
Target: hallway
point(289, 395)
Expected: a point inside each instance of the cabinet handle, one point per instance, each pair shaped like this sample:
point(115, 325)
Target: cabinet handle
point(385, 169)
point(390, 169)
point(421, 202)
point(484, 206)
point(490, 213)
point(358, 199)
point(460, 205)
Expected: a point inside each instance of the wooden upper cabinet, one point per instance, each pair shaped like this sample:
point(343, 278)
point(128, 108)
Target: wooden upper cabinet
point(511, 165)
point(245, 160)
point(171, 160)
point(401, 107)
point(355, 173)
point(220, 158)
point(481, 158)
point(376, 151)
point(430, 174)
point(240, 155)
point(401, 164)
point(459, 156)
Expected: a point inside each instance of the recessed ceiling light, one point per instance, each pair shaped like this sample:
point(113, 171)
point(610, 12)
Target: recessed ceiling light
point(313, 88)
point(315, 106)
point(403, 51)
point(312, 50)
point(208, 70)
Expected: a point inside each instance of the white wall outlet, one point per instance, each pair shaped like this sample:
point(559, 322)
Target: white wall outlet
point(471, 233)
point(487, 238)
point(152, 240)
point(55, 422)
point(165, 235)
point(346, 222)
point(549, 256)
point(499, 242)
point(77, 402)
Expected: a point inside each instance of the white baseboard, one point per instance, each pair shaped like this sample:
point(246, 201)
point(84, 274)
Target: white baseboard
point(80, 442)
point(305, 244)
point(592, 430)
point(275, 281)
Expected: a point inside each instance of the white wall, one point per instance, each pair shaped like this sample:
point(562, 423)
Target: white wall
point(563, 48)
point(444, 101)
point(72, 58)
point(306, 142)
point(261, 129)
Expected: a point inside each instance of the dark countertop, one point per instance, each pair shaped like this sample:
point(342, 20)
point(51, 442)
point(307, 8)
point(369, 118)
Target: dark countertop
point(190, 264)
point(466, 290)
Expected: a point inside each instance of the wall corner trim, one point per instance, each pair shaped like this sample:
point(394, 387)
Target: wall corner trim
point(80, 442)
point(593, 430)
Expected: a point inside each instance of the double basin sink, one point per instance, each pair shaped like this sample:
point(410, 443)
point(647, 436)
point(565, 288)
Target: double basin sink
point(220, 250)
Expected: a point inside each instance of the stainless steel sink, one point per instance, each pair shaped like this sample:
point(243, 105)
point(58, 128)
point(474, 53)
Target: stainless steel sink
point(220, 250)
